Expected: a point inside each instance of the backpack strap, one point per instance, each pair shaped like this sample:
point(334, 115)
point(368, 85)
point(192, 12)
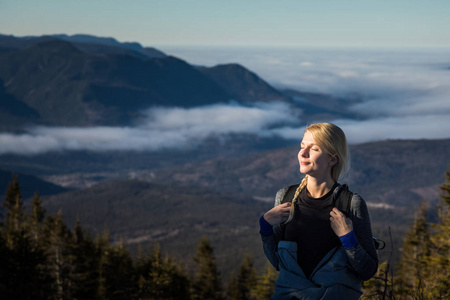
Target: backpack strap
point(342, 203)
point(289, 196)
point(342, 199)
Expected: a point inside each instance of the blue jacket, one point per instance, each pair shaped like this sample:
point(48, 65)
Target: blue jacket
point(332, 278)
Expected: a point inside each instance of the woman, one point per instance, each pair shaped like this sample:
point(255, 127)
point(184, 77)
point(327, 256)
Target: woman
point(320, 253)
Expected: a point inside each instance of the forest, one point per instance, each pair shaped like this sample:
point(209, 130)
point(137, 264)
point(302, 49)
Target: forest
point(42, 258)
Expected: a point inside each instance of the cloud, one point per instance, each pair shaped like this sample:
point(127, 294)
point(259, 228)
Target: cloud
point(377, 129)
point(400, 95)
point(162, 128)
point(405, 88)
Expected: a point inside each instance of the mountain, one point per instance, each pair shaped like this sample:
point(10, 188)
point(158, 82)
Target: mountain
point(242, 84)
point(89, 81)
point(29, 185)
point(68, 87)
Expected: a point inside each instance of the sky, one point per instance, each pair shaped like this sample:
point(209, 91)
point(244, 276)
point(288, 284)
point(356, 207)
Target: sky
point(394, 56)
point(349, 23)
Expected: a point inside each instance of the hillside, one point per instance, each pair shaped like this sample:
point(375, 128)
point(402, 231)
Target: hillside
point(143, 213)
point(224, 197)
point(89, 81)
point(29, 185)
point(378, 170)
point(97, 88)
point(242, 84)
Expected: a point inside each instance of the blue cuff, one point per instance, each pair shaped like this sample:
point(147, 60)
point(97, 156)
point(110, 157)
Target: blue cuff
point(264, 227)
point(349, 240)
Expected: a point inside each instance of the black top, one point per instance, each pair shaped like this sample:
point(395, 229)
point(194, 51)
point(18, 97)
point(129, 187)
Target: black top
point(311, 230)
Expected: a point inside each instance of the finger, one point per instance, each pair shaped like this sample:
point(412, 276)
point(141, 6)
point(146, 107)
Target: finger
point(337, 211)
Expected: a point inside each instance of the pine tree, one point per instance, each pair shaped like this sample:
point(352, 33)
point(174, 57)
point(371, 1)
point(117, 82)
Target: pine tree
point(233, 287)
point(20, 265)
point(380, 286)
point(161, 278)
point(207, 281)
point(116, 271)
point(5, 265)
point(59, 266)
point(15, 216)
point(439, 261)
point(85, 265)
point(241, 287)
point(36, 220)
point(412, 270)
point(265, 286)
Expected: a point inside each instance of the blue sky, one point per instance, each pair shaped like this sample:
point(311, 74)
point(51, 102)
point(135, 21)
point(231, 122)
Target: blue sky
point(399, 23)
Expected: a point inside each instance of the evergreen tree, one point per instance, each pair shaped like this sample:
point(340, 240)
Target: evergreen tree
point(265, 286)
point(380, 286)
point(85, 265)
point(59, 266)
point(5, 261)
point(161, 278)
point(233, 287)
point(15, 216)
point(439, 261)
point(36, 220)
point(240, 288)
point(207, 281)
point(413, 266)
point(21, 260)
point(117, 276)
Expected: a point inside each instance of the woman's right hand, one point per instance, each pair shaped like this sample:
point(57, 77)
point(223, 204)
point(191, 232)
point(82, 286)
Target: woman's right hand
point(278, 214)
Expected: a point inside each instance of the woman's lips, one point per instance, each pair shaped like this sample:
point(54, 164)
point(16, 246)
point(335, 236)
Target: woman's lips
point(304, 163)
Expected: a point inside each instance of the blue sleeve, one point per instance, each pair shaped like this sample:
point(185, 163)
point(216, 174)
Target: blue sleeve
point(349, 240)
point(264, 227)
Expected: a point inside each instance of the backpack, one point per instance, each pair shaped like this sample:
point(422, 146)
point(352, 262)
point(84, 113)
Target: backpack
point(342, 203)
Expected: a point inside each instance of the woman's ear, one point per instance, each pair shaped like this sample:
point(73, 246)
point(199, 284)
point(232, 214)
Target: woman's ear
point(334, 160)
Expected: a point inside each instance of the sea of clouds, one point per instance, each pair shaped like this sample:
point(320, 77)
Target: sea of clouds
point(403, 94)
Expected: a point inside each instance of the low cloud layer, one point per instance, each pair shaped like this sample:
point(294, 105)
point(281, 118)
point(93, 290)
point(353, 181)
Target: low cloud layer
point(162, 128)
point(401, 95)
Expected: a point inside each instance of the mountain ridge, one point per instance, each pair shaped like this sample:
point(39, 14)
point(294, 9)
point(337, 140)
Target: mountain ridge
point(65, 84)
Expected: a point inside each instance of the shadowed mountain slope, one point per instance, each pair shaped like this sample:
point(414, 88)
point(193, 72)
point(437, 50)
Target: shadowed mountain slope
point(89, 81)
point(71, 88)
point(28, 185)
point(142, 213)
point(242, 84)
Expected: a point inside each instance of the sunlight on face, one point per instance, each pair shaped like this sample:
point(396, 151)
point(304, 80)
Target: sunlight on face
point(312, 159)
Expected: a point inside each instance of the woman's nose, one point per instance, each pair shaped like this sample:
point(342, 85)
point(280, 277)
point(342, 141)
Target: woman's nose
point(303, 153)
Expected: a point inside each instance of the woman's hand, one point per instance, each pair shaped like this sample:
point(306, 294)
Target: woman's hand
point(278, 214)
point(340, 224)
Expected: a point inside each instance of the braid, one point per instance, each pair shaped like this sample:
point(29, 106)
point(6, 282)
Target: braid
point(301, 186)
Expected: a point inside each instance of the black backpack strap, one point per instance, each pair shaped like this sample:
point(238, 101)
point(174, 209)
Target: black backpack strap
point(289, 196)
point(342, 199)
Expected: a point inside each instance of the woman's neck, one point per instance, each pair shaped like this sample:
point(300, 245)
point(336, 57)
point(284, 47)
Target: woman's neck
point(317, 189)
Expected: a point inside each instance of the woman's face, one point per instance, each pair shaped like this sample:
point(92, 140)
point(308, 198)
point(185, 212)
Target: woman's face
point(313, 161)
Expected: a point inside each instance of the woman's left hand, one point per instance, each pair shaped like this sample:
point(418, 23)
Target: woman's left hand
point(340, 224)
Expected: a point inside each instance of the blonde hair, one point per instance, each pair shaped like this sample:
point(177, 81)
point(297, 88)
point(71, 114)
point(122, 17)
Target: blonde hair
point(331, 139)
